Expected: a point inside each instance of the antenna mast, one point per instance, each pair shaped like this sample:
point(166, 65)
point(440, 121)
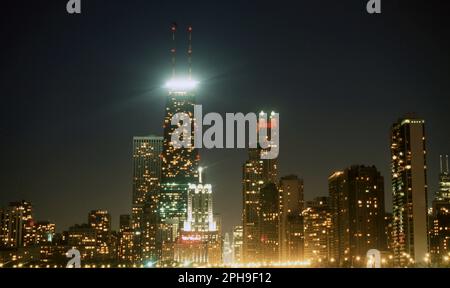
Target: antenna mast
point(189, 30)
point(173, 29)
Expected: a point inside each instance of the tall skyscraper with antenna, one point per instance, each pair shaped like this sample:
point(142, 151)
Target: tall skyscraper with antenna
point(179, 165)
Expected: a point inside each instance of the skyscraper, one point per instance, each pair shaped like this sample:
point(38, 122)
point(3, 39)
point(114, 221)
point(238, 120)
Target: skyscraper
point(357, 203)
point(409, 191)
point(18, 225)
point(179, 165)
point(199, 241)
point(257, 173)
point(237, 244)
point(291, 201)
point(269, 223)
point(125, 246)
point(318, 232)
point(146, 183)
point(440, 224)
point(100, 221)
point(200, 209)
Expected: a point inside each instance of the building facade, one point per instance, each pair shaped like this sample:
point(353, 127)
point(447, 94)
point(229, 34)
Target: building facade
point(257, 173)
point(409, 192)
point(358, 214)
point(146, 184)
point(291, 237)
point(238, 244)
point(17, 226)
point(269, 223)
point(440, 222)
point(318, 232)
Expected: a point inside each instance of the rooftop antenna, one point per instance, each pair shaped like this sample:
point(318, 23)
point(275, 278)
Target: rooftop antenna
point(440, 163)
point(189, 30)
point(446, 164)
point(173, 29)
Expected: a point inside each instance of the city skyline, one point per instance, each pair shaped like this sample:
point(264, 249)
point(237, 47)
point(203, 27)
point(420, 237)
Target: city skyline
point(79, 182)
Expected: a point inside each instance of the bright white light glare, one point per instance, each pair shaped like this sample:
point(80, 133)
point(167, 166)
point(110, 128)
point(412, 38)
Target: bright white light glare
point(181, 84)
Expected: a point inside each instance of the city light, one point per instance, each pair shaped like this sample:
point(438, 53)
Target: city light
point(181, 84)
point(173, 219)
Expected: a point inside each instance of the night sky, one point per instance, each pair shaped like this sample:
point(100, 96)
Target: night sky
point(75, 89)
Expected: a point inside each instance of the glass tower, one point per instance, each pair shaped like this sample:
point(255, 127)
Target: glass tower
point(409, 191)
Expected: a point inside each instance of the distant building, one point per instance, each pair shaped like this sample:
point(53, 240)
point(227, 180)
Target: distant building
point(199, 242)
point(100, 221)
point(84, 238)
point(257, 173)
point(440, 224)
point(291, 236)
point(409, 192)
point(237, 244)
point(146, 184)
point(318, 232)
point(227, 251)
point(44, 231)
point(17, 225)
point(124, 222)
point(269, 221)
point(357, 203)
point(389, 231)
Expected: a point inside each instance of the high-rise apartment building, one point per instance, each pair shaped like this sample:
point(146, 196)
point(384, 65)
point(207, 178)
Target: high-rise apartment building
point(269, 223)
point(146, 184)
point(357, 203)
point(125, 243)
point(17, 226)
point(409, 191)
point(318, 232)
point(100, 221)
point(257, 173)
point(291, 201)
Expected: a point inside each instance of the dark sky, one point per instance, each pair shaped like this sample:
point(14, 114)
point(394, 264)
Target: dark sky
point(75, 89)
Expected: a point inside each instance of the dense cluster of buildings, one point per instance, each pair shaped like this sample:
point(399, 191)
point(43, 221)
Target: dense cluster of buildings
point(172, 222)
point(338, 230)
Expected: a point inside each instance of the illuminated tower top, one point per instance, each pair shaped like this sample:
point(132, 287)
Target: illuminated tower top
point(200, 217)
point(179, 85)
point(179, 165)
